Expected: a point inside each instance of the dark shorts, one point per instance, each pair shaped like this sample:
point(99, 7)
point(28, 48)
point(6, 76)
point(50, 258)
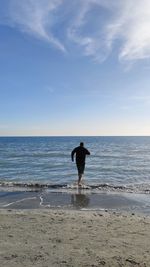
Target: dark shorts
point(80, 167)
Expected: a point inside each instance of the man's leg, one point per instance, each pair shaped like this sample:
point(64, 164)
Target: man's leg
point(80, 167)
point(79, 178)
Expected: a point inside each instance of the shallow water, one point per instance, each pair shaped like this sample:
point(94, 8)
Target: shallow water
point(76, 199)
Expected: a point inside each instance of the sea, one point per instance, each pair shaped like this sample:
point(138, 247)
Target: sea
point(37, 172)
point(115, 162)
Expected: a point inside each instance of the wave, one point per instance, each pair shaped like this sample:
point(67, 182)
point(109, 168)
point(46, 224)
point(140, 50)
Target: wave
point(34, 186)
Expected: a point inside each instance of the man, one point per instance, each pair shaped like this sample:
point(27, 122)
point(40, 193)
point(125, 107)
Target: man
point(81, 153)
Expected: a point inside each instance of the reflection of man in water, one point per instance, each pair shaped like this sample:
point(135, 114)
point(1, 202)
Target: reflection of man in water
point(81, 153)
point(80, 200)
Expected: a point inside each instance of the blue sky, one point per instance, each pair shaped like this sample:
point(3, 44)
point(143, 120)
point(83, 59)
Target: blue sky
point(78, 67)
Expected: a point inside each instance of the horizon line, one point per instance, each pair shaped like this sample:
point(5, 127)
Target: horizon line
point(74, 136)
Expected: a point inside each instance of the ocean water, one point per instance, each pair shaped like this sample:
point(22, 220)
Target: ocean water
point(115, 162)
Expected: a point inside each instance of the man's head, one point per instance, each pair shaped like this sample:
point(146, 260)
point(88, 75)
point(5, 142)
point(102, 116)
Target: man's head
point(82, 144)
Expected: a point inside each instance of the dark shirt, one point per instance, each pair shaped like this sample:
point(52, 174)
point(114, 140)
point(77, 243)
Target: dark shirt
point(81, 153)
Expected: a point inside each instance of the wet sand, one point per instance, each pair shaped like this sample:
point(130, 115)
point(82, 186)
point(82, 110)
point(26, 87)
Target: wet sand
point(75, 199)
point(73, 238)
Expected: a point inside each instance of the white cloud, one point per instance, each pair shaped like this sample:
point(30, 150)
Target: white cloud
point(94, 43)
point(94, 26)
point(35, 17)
point(131, 27)
point(127, 23)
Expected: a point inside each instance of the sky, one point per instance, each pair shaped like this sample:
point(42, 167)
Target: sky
point(79, 67)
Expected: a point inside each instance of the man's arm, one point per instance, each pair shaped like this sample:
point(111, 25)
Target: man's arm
point(87, 152)
point(72, 154)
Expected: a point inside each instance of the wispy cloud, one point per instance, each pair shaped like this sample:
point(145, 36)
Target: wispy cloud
point(124, 24)
point(131, 26)
point(34, 17)
point(145, 100)
point(96, 27)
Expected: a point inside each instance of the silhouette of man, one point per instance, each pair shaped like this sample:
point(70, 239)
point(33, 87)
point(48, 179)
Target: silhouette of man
point(81, 153)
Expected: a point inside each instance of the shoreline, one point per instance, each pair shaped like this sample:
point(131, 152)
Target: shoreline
point(73, 238)
point(76, 199)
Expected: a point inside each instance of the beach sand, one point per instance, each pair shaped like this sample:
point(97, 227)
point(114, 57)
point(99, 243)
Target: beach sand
point(73, 238)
